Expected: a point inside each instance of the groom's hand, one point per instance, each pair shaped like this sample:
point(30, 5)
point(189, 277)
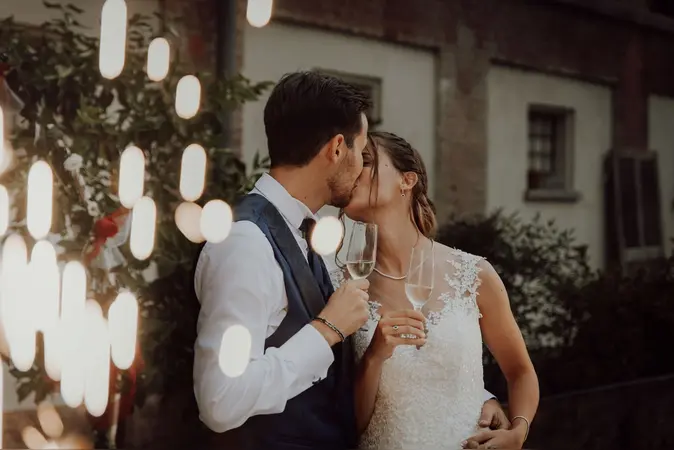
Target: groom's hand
point(493, 416)
point(347, 310)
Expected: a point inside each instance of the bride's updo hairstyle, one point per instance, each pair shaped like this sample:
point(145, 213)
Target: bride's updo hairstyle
point(406, 159)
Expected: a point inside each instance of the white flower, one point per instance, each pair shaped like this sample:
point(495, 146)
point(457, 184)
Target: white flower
point(93, 209)
point(73, 163)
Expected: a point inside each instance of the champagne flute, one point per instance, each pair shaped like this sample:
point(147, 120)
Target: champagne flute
point(419, 281)
point(362, 252)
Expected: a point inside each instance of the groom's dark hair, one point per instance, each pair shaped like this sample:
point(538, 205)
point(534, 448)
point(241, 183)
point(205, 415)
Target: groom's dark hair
point(307, 109)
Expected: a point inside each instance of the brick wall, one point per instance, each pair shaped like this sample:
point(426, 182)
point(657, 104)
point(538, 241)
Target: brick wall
point(567, 37)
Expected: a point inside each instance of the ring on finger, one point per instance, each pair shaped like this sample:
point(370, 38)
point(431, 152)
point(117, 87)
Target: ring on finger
point(395, 327)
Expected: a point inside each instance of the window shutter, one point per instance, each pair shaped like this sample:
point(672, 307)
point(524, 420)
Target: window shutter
point(632, 213)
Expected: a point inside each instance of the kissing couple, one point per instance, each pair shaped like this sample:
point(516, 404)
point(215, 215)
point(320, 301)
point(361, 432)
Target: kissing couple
point(339, 363)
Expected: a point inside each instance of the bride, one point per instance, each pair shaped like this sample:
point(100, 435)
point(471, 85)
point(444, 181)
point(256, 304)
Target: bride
point(419, 383)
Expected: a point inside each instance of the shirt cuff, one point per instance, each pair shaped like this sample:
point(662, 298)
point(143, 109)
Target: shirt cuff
point(489, 396)
point(309, 353)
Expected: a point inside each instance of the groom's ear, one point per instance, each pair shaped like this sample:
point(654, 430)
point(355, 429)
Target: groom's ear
point(335, 149)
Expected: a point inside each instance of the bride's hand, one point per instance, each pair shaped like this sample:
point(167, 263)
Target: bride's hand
point(391, 326)
point(494, 439)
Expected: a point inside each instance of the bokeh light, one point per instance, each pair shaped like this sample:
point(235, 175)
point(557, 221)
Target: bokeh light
point(327, 235)
point(216, 221)
point(158, 59)
point(235, 351)
point(112, 51)
point(188, 221)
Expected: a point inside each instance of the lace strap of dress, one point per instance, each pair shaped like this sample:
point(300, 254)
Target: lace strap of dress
point(467, 280)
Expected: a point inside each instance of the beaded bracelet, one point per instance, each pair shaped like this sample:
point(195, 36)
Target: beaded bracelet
point(332, 327)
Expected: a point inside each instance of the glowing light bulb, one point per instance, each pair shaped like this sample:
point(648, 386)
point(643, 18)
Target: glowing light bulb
point(193, 172)
point(73, 300)
point(39, 208)
point(33, 438)
point(143, 220)
point(113, 38)
point(216, 221)
point(46, 290)
point(188, 221)
point(49, 419)
point(188, 97)
point(45, 296)
point(123, 326)
point(258, 12)
point(17, 314)
point(235, 351)
point(97, 360)
point(4, 210)
point(131, 176)
point(327, 235)
point(158, 59)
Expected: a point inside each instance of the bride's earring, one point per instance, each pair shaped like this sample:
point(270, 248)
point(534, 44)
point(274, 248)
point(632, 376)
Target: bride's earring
point(402, 193)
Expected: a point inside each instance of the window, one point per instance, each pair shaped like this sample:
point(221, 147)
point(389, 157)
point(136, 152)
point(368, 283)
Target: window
point(371, 86)
point(550, 143)
point(633, 216)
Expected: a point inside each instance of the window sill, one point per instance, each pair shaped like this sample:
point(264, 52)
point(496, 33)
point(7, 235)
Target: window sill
point(551, 196)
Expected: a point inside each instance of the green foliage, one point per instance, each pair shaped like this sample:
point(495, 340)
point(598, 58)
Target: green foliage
point(623, 321)
point(583, 328)
point(54, 70)
point(538, 264)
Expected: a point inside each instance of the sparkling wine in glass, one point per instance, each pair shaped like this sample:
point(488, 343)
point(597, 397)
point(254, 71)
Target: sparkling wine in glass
point(362, 250)
point(419, 282)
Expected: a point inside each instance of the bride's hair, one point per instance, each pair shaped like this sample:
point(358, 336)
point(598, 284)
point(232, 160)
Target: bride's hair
point(406, 158)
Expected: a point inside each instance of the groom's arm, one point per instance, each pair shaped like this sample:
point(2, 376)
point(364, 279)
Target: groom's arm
point(238, 282)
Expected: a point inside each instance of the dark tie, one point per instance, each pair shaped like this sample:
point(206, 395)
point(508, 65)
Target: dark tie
point(315, 261)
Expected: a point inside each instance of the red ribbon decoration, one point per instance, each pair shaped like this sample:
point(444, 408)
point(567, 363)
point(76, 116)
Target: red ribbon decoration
point(104, 229)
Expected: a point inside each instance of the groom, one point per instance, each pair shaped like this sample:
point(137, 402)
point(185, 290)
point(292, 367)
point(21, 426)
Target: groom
point(296, 392)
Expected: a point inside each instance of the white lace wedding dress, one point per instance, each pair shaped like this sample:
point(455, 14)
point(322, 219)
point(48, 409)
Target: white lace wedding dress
point(431, 398)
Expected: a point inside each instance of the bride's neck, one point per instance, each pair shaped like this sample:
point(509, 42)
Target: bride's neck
point(395, 241)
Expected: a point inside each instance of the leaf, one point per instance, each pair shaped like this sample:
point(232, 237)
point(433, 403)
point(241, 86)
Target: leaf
point(50, 5)
point(74, 8)
point(24, 390)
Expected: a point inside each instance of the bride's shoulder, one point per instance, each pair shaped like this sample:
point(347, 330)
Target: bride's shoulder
point(450, 254)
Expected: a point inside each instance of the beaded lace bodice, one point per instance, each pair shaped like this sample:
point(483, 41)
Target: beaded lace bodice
point(431, 398)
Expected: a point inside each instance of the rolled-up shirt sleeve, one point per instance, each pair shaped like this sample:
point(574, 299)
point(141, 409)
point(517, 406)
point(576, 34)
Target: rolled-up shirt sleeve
point(488, 396)
point(238, 282)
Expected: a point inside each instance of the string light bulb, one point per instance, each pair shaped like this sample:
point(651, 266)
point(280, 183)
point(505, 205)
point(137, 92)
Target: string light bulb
point(188, 97)
point(258, 12)
point(131, 176)
point(158, 59)
point(112, 47)
point(39, 199)
point(123, 327)
point(193, 172)
point(143, 218)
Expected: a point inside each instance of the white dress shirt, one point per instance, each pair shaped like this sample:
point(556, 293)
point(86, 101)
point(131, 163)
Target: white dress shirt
point(238, 281)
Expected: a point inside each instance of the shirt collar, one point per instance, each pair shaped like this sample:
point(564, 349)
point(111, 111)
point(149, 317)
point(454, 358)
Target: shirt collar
point(293, 210)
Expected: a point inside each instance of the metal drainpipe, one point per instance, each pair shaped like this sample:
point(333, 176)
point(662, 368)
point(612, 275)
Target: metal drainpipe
point(225, 54)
